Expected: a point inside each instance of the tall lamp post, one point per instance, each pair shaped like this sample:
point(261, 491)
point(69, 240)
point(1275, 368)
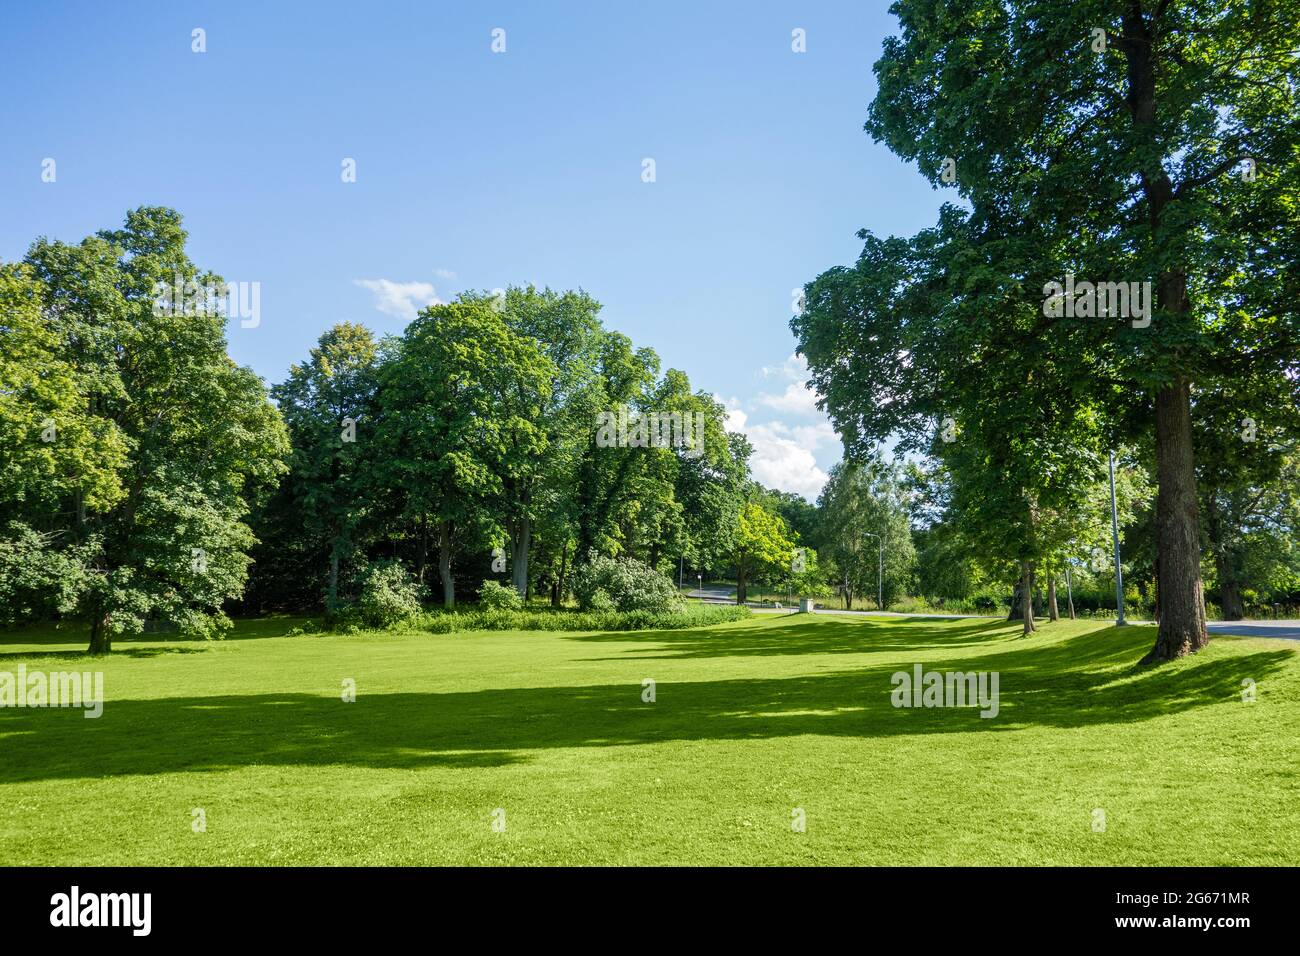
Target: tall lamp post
point(880, 570)
point(1114, 530)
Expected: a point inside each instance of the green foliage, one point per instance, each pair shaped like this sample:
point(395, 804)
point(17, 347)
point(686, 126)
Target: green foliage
point(161, 444)
point(762, 547)
point(535, 619)
point(623, 584)
point(495, 596)
point(385, 596)
point(864, 509)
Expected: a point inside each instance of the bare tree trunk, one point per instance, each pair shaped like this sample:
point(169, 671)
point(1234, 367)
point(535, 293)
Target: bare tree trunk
point(740, 586)
point(101, 638)
point(1182, 604)
point(444, 564)
point(334, 580)
point(1027, 596)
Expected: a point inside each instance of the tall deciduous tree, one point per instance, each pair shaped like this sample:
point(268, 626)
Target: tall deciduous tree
point(1116, 141)
point(762, 545)
point(328, 405)
point(202, 440)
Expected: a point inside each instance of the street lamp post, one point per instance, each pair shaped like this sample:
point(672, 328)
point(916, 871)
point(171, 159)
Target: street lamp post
point(880, 570)
point(1114, 530)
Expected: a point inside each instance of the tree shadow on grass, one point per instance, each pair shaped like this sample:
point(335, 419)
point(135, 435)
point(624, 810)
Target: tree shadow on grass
point(1070, 684)
point(807, 634)
point(87, 661)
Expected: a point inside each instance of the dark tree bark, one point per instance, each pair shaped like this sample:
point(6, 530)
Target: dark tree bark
point(1027, 596)
point(1182, 604)
point(741, 593)
point(101, 638)
point(444, 564)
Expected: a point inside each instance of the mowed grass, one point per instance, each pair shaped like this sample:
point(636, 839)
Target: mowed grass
point(752, 721)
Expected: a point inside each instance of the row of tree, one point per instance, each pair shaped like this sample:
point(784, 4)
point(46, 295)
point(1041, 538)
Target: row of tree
point(1142, 141)
point(470, 440)
point(147, 480)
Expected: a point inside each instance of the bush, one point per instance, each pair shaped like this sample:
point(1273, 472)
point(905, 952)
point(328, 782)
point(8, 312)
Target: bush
point(623, 584)
point(387, 595)
point(499, 597)
point(548, 619)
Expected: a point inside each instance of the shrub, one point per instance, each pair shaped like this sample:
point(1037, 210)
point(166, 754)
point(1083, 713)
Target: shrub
point(498, 596)
point(623, 584)
point(387, 596)
point(548, 619)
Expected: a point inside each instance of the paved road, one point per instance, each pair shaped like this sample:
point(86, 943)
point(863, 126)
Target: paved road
point(1288, 630)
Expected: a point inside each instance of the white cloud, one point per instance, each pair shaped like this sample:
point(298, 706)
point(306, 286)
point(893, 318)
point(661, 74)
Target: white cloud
point(797, 399)
point(794, 368)
point(444, 273)
point(784, 462)
point(400, 299)
point(785, 454)
point(736, 418)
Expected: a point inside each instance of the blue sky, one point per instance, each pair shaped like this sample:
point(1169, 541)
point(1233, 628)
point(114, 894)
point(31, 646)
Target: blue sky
point(478, 169)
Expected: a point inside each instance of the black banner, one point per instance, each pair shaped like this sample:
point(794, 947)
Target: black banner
point(336, 905)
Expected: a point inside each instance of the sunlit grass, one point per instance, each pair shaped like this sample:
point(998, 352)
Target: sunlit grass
point(750, 722)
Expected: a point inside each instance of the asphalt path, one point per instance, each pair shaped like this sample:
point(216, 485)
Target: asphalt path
point(1287, 630)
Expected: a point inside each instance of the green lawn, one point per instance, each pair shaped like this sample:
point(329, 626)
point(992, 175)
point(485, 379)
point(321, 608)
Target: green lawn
point(751, 721)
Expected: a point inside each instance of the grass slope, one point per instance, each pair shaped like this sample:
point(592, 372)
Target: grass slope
point(752, 720)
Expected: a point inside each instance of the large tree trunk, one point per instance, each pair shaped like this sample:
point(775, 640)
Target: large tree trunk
point(1027, 596)
point(334, 580)
point(740, 586)
point(101, 639)
point(1182, 606)
point(519, 548)
point(444, 564)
